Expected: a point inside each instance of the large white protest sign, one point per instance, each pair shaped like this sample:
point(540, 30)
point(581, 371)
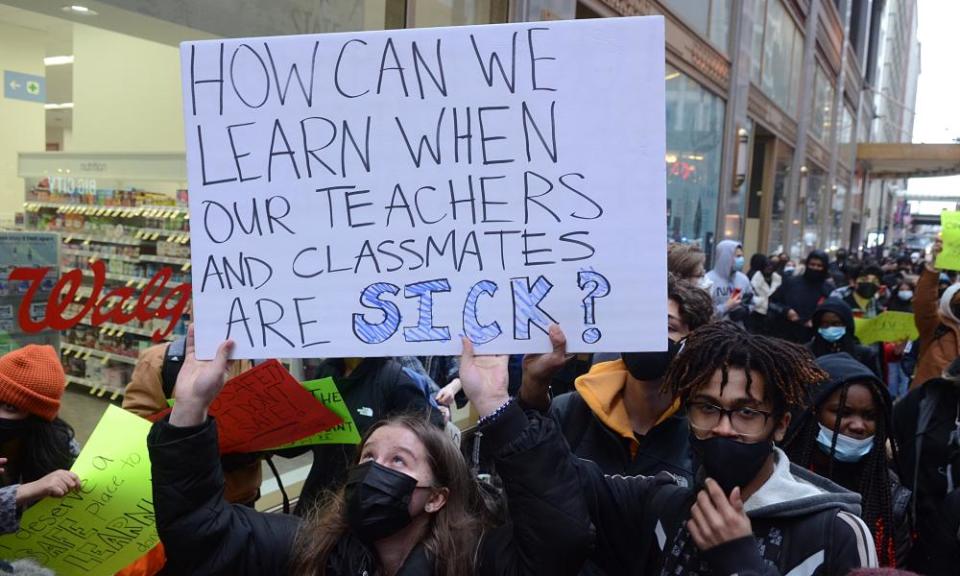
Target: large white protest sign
point(382, 193)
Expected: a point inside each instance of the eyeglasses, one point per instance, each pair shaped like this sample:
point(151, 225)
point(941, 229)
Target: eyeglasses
point(704, 416)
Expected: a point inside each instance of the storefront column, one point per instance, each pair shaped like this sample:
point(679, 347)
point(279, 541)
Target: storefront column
point(803, 121)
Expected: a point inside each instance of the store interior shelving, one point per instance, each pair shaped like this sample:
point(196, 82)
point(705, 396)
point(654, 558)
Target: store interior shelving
point(116, 218)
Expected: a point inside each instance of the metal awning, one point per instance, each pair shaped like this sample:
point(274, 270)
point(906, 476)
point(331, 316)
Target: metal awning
point(909, 160)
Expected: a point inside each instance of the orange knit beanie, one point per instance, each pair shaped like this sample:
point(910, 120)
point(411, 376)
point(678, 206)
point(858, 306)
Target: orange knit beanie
point(32, 379)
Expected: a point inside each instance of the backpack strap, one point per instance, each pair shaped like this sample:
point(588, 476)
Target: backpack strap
point(172, 362)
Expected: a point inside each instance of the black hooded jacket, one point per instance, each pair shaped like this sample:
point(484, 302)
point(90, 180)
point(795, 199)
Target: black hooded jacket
point(844, 369)
point(866, 355)
point(937, 549)
point(802, 294)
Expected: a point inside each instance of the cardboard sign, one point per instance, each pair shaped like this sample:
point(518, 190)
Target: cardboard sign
point(381, 193)
point(109, 522)
point(325, 391)
point(949, 258)
point(265, 407)
point(887, 327)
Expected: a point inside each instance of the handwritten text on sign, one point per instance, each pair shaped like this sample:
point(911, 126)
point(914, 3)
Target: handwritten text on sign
point(109, 522)
point(381, 193)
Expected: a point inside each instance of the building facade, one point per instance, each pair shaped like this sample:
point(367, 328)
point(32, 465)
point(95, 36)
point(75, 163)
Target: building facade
point(766, 100)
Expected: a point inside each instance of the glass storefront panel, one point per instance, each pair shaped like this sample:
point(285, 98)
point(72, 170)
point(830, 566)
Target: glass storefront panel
point(756, 43)
point(779, 207)
point(836, 216)
point(780, 39)
point(845, 134)
point(822, 111)
point(720, 24)
point(810, 215)
point(694, 145)
point(709, 18)
point(428, 13)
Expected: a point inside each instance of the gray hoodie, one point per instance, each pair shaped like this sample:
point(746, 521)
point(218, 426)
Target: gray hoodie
point(724, 279)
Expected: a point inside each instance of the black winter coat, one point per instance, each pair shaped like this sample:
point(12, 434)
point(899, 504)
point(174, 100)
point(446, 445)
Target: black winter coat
point(936, 551)
point(666, 448)
point(549, 532)
point(802, 296)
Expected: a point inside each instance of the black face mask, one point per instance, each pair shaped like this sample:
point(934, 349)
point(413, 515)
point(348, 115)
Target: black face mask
point(378, 501)
point(650, 366)
point(867, 289)
point(729, 462)
point(815, 275)
point(10, 428)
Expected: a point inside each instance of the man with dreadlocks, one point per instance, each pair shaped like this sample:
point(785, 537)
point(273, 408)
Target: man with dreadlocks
point(843, 437)
point(751, 512)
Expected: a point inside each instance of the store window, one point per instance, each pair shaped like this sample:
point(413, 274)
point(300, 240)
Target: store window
point(814, 191)
point(428, 13)
point(694, 147)
point(845, 134)
point(777, 54)
point(821, 114)
point(756, 43)
point(710, 18)
point(836, 214)
point(779, 206)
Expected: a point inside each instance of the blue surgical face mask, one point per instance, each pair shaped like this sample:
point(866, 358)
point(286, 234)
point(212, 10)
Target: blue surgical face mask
point(738, 263)
point(847, 449)
point(905, 295)
point(832, 333)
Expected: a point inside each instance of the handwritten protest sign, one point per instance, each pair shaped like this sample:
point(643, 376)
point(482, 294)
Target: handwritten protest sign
point(265, 407)
point(949, 258)
point(381, 193)
point(109, 522)
point(325, 391)
point(887, 327)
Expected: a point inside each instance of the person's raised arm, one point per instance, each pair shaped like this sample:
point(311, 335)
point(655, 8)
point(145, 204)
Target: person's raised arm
point(926, 302)
point(557, 502)
point(200, 531)
point(539, 370)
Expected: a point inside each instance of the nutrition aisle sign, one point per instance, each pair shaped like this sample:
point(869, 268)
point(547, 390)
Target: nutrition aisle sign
point(382, 193)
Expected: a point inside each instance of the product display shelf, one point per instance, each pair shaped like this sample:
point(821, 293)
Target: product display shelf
point(127, 211)
point(147, 211)
point(184, 262)
point(87, 239)
point(83, 351)
point(139, 281)
point(110, 329)
point(93, 256)
point(95, 388)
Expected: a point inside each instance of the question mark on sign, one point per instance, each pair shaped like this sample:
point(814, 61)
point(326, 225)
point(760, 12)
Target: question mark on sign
point(599, 287)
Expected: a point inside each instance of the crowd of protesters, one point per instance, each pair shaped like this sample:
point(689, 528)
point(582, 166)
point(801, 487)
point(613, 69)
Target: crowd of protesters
point(765, 438)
